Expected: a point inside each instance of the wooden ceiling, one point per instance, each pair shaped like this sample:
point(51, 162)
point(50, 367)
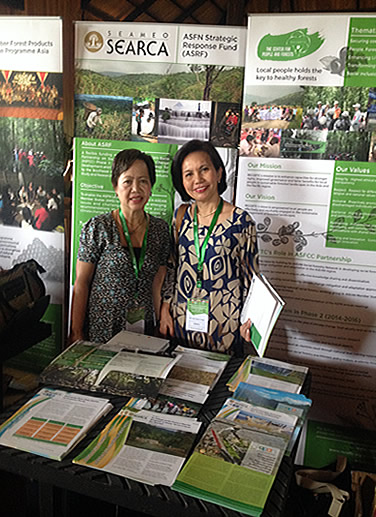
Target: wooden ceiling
point(211, 12)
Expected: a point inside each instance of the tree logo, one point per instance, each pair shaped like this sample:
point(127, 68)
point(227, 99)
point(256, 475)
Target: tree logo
point(93, 41)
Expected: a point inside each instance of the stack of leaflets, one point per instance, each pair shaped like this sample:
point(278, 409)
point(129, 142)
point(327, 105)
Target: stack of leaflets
point(142, 445)
point(269, 373)
point(262, 306)
point(282, 401)
point(94, 367)
point(133, 342)
point(189, 382)
point(237, 459)
point(52, 422)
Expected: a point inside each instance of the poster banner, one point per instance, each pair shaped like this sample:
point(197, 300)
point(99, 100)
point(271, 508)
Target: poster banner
point(308, 177)
point(32, 162)
point(161, 83)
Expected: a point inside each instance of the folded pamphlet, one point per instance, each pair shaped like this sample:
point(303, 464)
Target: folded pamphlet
point(262, 306)
point(52, 422)
point(142, 445)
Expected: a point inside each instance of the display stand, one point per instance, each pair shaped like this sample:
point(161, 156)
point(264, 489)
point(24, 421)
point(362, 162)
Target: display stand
point(56, 479)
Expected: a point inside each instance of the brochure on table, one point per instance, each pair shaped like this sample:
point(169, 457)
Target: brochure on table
point(134, 342)
point(284, 402)
point(142, 445)
point(262, 307)
point(269, 373)
point(86, 365)
point(52, 422)
point(188, 383)
point(237, 459)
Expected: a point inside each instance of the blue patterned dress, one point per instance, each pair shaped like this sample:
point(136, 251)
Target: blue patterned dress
point(231, 259)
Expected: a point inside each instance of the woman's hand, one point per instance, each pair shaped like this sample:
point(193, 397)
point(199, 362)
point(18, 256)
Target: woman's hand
point(166, 324)
point(84, 276)
point(245, 330)
point(75, 336)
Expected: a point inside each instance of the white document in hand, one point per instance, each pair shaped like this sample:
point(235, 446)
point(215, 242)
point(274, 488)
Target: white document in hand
point(262, 306)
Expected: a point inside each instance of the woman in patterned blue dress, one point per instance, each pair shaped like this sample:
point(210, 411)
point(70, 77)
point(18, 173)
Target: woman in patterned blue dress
point(202, 304)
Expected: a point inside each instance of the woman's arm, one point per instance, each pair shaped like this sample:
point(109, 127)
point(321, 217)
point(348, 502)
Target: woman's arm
point(157, 286)
point(166, 325)
point(84, 276)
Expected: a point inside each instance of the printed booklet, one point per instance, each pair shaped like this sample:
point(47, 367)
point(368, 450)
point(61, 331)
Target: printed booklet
point(262, 306)
point(269, 373)
point(133, 342)
point(90, 366)
point(142, 445)
point(52, 422)
point(188, 383)
point(236, 461)
point(289, 403)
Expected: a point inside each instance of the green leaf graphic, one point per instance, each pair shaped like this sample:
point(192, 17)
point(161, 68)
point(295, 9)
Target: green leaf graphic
point(290, 46)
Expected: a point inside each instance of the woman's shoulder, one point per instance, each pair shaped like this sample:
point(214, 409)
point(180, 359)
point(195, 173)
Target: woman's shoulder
point(242, 217)
point(101, 220)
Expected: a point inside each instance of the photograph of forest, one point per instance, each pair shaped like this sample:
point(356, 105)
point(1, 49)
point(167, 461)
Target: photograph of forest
point(31, 167)
point(103, 116)
point(157, 439)
point(195, 82)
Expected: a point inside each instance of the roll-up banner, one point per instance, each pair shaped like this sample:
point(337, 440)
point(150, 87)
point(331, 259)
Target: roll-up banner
point(152, 87)
point(32, 163)
point(307, 173)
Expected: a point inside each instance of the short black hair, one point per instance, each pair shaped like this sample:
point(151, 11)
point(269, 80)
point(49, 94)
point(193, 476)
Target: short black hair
point(191, 147)
point(126, 159)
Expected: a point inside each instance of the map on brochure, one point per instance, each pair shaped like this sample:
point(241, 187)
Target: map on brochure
point(262, 306)
point(142, 445)
point(86, 365)
point(52, 422)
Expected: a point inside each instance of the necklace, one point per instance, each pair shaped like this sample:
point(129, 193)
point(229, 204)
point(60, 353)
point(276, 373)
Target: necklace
point(207, 215)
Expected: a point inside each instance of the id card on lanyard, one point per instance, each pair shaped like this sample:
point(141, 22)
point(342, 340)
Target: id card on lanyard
point(136, 314)
point(197, 315)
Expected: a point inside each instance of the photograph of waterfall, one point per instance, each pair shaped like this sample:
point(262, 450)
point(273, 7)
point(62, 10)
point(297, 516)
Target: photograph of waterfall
point(183, 120)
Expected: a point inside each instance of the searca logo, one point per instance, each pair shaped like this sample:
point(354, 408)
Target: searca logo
point(129, 43)
point(93, 41)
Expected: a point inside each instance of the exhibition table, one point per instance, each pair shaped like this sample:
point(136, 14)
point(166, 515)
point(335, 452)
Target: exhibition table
point(56, 479)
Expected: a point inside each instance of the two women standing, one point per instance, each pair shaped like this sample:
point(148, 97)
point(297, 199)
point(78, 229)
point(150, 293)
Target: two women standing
point(123, 256)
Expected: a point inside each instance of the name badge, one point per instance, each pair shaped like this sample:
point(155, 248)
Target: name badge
point(136, 320)
point(197, 317)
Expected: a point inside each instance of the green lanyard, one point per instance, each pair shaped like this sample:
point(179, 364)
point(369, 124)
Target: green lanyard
point(201, 252)
point(136, 266)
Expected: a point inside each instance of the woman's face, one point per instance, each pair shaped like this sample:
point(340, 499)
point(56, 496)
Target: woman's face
point(134, 187)
point(200, 178)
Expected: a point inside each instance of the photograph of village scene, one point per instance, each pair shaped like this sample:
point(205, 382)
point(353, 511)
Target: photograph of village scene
point(329, 123)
